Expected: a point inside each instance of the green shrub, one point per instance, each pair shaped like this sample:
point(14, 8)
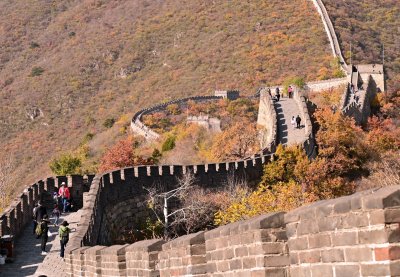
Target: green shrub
point(88, 137)
point(109, 122)
point(66, 164)
point(168, 144)
point(156, 155)
point(36, 71)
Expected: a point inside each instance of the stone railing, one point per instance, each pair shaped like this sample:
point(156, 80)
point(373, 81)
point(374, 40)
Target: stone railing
point(15, 218)
point(267, 120)
point(309, 144)
point(356, 235)
point(330, 30)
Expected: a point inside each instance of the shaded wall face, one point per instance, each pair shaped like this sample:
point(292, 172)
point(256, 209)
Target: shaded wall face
point(122, 195)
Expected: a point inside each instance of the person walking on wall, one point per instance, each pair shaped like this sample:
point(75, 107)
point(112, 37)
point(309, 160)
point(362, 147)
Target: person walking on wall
point(269, 92)
point(56, 214)
point(39, 214)
point(277, 94)
point(298, 121)
point(44, 230)
point(290, 91)
point(65, 195)
point(293, 122)
point(63, 233)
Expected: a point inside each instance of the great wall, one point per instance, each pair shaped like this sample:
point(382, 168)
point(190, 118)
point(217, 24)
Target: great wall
point(357, 235)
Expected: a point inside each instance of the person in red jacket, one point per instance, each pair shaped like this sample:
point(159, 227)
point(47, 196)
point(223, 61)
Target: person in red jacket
point(65, 195)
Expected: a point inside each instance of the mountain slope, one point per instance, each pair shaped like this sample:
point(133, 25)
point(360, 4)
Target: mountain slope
point(368, 25)
point(73, 64)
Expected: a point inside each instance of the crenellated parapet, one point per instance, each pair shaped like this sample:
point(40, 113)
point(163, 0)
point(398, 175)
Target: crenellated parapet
point(15, 218)
point(355, 235)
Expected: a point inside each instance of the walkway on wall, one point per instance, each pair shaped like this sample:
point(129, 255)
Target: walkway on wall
point(29, 262)
point(287, 135)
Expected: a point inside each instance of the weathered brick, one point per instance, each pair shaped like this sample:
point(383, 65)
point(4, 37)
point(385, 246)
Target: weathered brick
point(381, 254)
point(377, 217)
point(273, 248)
point(276, 261)
point(375, 269)
point(319, 240)
point(355, 220)
point(241, 252)
point(313, 256)
point(392, 215)
point(328, 223)
point(307, 227)
point(373, 236)
point(342, 206)
point(347, 270)
point(297, 271)
point(395, 268)
point(322, 270)
point(298, 244)
point(249, 262)
point(332, 255)
point(358, 254)
point(294, 258)
point(235, 264)
point(344, 238)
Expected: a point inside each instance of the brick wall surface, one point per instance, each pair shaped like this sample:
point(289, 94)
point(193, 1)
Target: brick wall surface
point(356, 235)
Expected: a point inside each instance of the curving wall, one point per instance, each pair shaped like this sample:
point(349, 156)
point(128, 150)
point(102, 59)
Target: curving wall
point(330, 31)
point(138, 127)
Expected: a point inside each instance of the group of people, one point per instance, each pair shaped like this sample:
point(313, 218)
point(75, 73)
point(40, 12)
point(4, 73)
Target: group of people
point(277, 94)
point(41, 220)
point(296, 122)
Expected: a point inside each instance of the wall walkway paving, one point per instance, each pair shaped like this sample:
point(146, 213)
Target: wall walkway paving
point(29, 262)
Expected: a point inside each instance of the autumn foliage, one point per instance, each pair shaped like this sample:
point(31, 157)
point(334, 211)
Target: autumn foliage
point(122, 154)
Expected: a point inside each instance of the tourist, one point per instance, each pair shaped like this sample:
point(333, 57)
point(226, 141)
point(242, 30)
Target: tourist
point(269, 92)
point(290, 91)
point(293, 122)
point(56, 214)
point(65, 195)
point(352, 88)
point(277, 94)
point(298, 121)
point(44, 232)
point(39, 214)
point(63, 233)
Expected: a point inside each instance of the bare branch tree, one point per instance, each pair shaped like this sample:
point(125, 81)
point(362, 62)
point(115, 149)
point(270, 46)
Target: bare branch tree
point(161, 202)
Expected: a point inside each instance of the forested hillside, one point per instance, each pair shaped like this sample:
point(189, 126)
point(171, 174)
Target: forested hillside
point(369, 25)
point(70, 69)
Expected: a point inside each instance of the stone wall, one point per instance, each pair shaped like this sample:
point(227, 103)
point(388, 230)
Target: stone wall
point(117, 199)
point(356, 235)
point(318, 86)
point(138, 127)
point(14, 219)
point(309, 143)
point(267, 120)
point(330, 31)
